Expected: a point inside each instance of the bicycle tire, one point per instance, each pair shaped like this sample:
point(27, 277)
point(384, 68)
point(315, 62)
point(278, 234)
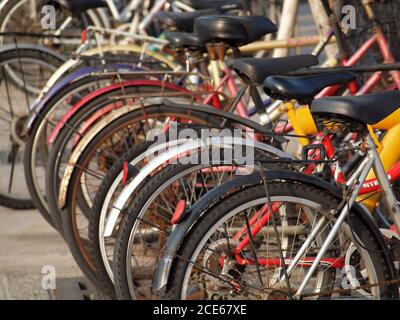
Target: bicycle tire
point(299, 190)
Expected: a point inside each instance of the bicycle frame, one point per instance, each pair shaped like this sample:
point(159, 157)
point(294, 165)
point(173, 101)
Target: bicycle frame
point(308, 127)
point(354, 185)
point(389, 150)
point(303, 123)
point(377, 39)
point(126, 12)
point(389, 153)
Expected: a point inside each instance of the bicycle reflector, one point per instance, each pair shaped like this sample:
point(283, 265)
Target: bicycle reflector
point(179, 210)
point(84, 36)
point(128, 172)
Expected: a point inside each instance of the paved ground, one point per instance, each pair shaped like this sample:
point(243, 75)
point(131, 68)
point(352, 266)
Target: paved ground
point(27, 244)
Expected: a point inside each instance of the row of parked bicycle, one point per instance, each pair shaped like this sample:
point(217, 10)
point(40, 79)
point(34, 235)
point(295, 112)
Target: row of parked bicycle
point(180, 169)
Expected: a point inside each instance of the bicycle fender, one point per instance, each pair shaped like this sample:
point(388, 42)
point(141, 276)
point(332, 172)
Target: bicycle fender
point(231, 116)
point(84, 72)
point(93, 95)
point(171, 154)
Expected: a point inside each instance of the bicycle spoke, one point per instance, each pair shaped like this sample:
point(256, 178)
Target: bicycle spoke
point(13, 156)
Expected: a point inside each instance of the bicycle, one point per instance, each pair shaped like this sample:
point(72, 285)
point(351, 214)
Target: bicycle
point(302, 134)
point(340, 238)
point(126, 193)
point(81, 149)
point(58, 89)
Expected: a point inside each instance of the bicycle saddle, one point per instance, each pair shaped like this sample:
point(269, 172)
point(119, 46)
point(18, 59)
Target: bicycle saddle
point(257, 69)
point(369, 109)
point(223, 5)
point(79, 6)
point(184, 40)
point(233, 30)
point(304, 88)
point(182, 21)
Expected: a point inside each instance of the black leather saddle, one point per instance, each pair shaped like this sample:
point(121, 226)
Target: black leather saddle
point(304, 88)
point(184, 40)
point(233, 30)
point(182, 21)
point(223, 5)
point(367, 109)
point(256, 70)
point(79, 6)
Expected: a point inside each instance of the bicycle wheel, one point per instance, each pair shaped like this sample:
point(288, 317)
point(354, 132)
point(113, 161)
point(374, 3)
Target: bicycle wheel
point(109, 188)
point(88, 172)
point(37, 147)
point(26, 16)
point(80, 123)
point(218, 260)
point(146, 222)
point(35, 159)
point(34, 66)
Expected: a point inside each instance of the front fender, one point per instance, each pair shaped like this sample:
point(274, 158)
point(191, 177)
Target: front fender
point(177, 236)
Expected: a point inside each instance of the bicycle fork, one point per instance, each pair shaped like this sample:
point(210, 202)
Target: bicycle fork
point(354, 184)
